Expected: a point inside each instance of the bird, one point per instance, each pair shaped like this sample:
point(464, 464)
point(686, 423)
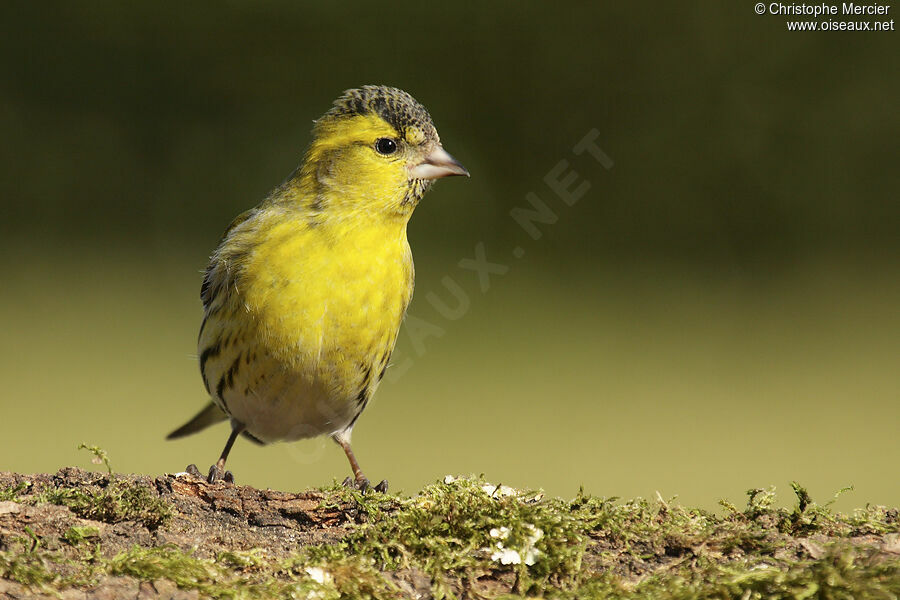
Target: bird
point(305, 294)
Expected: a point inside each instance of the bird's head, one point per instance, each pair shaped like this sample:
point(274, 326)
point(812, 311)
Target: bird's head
point(375, 150)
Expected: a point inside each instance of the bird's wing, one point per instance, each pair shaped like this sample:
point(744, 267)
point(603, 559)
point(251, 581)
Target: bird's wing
point(206, 287)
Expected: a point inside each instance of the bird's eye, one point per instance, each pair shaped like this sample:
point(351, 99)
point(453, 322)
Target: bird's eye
point(385, 146)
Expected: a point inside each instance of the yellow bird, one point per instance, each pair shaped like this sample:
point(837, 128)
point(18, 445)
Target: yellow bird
point(305, 294)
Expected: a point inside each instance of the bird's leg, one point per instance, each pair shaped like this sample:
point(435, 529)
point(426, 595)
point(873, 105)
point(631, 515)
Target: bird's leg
point(217, 471)
point(360, 481)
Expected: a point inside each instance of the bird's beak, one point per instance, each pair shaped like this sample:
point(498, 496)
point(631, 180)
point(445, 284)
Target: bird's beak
point(437, 163)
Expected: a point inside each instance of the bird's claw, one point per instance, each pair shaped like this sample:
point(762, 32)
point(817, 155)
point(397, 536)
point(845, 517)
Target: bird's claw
point(217, 474)
point(363, 484)
point(193, 471)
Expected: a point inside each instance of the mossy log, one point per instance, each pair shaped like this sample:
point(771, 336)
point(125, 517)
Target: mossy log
point(81, 534)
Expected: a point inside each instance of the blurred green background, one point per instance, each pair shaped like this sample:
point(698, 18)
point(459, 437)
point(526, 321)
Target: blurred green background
point(718, 312)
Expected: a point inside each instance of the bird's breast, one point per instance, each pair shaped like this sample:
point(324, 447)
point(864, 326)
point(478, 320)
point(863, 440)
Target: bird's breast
point(323, 298)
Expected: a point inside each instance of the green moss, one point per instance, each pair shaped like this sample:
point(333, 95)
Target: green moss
point(119, 501)
point(353, 578)
point(76, 535)
point(808, 518)
point(468, 538)
point(164, 562)
point(29, 568)
point(230, 575)
point(446, 532)
point(100, 456)
point(13, 492)
point(843, 573)
point(448, 529)
point(254, 559)
point(40, 569)
point(369, 505)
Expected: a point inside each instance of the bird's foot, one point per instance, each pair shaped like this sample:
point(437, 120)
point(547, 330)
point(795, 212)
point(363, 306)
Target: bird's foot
point(217, 473)
point(362, 484)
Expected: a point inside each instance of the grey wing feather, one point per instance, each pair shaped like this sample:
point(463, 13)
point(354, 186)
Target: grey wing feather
point(210, 415)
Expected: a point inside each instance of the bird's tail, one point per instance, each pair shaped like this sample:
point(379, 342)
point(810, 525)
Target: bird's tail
point(210, 415)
